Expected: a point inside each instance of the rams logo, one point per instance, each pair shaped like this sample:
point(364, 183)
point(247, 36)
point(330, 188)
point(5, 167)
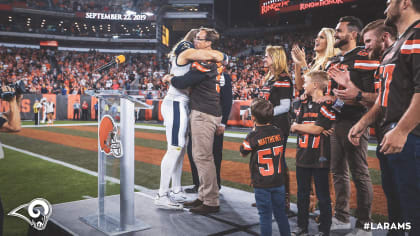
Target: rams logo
point(39, 211)
point(108, 137)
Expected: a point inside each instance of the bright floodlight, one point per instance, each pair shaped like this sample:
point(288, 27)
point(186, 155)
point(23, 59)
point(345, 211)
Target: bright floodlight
point(129, 12)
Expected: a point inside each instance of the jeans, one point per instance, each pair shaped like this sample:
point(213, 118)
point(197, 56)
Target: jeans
point(303, 177)
point(406, 169)
point(345, 156)
point(272, 201)
point(391, 192)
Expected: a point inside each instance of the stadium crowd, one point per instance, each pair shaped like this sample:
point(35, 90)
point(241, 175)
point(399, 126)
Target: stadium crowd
point(116, 6)
point(65, 72)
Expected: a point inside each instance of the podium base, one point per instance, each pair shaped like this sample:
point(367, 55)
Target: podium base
point(110, 225)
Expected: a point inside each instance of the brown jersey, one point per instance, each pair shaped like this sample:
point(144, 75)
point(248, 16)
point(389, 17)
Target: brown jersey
point(361, 71)
point(314, 150)
point(400, 77)
point(274, 91)
point(266, 147)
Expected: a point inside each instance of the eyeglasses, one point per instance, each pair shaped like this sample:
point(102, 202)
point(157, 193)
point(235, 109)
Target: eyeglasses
point(198, 39)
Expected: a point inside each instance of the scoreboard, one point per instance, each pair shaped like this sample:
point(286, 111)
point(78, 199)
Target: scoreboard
point(283, 6)
point(165, 36)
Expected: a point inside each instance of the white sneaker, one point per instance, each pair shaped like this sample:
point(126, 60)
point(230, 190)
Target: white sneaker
point(165, 202)
point(359, 232)
point(338, 224)
point(178, 197)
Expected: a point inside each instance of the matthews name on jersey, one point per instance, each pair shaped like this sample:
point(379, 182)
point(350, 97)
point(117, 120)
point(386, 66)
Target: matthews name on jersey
point(266, 147)
point(314, 150)
point(361, 71)
point(400, 77)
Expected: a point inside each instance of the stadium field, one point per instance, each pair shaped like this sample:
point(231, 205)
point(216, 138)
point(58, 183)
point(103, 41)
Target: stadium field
point(77, 145)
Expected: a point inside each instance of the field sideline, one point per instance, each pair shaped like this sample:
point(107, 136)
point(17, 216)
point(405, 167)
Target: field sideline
point(77, 145)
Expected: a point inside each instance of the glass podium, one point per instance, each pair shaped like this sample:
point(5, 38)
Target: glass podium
point(116, 116)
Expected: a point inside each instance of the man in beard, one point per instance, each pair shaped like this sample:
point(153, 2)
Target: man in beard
point(398, 107)
point(378, 38)
point(344, 155)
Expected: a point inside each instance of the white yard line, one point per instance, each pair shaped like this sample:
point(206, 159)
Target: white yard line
point(76, 168)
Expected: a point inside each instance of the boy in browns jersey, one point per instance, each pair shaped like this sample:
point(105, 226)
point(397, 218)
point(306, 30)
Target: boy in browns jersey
point(312, 158)
point(265, 143)
point(398, 108)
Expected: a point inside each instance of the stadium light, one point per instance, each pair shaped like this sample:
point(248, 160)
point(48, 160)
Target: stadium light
point(129, 12)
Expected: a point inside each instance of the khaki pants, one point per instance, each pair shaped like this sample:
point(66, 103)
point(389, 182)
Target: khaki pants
point(203, 128)
point(345, 156)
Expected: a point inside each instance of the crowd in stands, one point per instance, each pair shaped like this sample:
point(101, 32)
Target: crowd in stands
point(113, 6)
point(247, 70)
point(65, 72)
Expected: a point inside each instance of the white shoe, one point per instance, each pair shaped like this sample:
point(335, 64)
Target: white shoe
point(165, 202)
point(338, 224)
point(359, 232)
point(178, 197)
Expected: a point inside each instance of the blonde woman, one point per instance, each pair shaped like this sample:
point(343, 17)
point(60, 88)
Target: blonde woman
point(278, 90)
point(324, 50)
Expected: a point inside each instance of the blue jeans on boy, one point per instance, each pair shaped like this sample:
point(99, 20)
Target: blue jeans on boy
point(272, 201)
point(322, 190)
point(406, 170)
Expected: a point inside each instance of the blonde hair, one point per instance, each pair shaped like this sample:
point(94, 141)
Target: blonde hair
point(330, 51)
point(278, 56)
point(318, 76)
point(188, 37)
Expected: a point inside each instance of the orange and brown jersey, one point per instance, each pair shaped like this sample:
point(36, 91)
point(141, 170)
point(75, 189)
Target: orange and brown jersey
point(314, 150)
point(274, 91)
point(361, 71)
point(400, 76)
point(203, 78)
point(266, 147)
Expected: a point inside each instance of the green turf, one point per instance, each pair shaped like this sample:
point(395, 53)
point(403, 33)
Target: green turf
point(229, 155)
point(25, 178)
point(147, 175)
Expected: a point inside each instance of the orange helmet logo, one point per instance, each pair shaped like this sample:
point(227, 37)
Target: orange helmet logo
point(108, 139)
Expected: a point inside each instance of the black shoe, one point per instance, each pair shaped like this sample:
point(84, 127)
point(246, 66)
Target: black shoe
point(290, 213)
point(193, 204)
point(298, 231)
point(204, 209)
point(191, 190)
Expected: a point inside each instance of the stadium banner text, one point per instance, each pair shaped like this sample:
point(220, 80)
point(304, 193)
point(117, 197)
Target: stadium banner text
point(119, 17)
point(63, 110)
point(283, 6)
